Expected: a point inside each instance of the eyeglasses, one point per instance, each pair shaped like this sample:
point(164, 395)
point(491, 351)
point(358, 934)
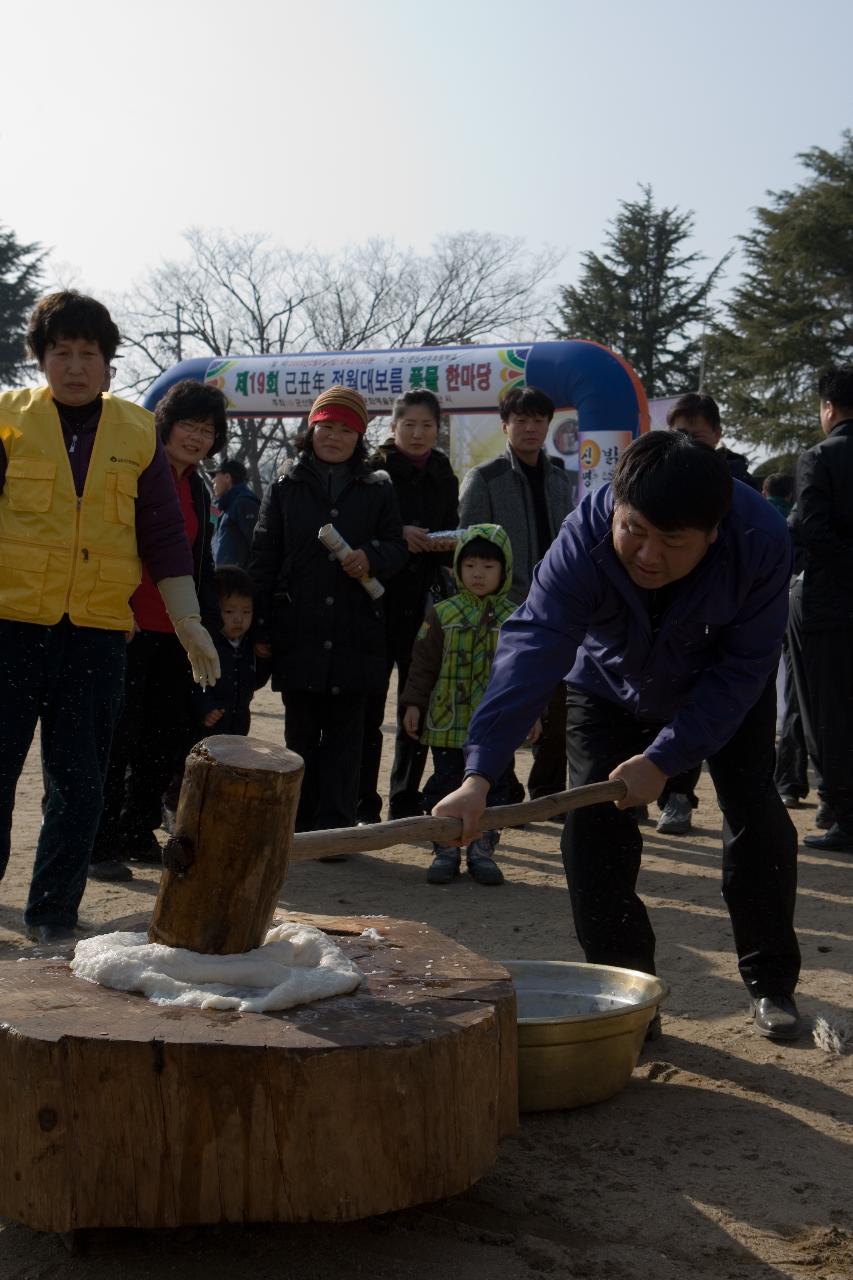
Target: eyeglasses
point(198, 430)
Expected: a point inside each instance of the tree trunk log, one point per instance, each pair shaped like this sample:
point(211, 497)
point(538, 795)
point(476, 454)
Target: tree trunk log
point(227, 861)
point(116, 1112)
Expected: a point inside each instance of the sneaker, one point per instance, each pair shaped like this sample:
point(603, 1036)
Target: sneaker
point(485, 871)
point(677, 816)
point(445, 865)
point(110, 869)
point(481, 865)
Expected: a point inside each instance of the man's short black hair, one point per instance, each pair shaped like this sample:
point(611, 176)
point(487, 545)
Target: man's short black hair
point(481, 548)
point(674, 482)
point(527, 400)
point(422, 396)
point(231, 467)
point(694, 405)
point(191, 401)
point(836, 385)
point(779, 484)
point(231, 580)
point(69, 314)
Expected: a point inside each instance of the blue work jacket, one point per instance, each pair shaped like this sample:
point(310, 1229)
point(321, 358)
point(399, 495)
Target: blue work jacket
point(584, 620)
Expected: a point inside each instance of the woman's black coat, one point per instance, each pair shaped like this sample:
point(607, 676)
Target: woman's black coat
point(327, 635)
point(428, 497)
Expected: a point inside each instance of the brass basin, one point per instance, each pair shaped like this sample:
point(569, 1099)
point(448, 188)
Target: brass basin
point(580, 1029)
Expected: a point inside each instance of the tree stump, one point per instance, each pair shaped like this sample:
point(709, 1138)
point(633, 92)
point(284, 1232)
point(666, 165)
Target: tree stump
point(115, 1112)
point(227, 861)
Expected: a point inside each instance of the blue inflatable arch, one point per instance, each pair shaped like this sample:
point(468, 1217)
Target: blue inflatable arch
point(591, 379)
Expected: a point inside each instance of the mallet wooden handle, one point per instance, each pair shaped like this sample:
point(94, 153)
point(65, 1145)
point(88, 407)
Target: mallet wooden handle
point(381, 835)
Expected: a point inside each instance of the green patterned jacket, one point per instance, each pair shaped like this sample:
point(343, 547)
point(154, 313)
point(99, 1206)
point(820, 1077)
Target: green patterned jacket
point(454, 650)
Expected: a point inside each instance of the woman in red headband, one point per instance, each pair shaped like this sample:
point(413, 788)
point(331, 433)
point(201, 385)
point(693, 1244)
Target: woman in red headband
point(323, 631)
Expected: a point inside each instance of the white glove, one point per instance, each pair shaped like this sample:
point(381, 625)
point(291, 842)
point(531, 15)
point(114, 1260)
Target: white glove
point(201, 650)
point(181, 604)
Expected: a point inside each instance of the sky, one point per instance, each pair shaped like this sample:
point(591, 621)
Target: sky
point(324, 123)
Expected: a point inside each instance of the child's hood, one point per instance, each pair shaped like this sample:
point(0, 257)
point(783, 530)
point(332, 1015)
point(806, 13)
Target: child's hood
point(493, 533)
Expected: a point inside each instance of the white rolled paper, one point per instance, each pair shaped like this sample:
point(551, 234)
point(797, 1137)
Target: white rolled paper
point(333, 542)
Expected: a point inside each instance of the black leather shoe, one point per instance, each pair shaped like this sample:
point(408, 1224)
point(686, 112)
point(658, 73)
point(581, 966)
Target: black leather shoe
point(776, 1017)
point(110, 869)
point(51, 935)
point(835, 840)
point(824, 817)
point(147, 851)
point(789, 801)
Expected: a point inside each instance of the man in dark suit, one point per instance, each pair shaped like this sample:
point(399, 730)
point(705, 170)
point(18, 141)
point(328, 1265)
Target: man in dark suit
point(821, 626)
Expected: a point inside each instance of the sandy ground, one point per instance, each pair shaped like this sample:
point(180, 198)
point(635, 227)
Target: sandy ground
point(727, 1156)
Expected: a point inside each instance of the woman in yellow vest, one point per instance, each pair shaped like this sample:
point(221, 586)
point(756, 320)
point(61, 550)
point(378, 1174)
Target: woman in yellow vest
point(86, 497)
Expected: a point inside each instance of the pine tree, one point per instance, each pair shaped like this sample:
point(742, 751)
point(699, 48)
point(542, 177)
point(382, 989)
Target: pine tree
point(20, 275)
point(642, 297)
point(792, 313)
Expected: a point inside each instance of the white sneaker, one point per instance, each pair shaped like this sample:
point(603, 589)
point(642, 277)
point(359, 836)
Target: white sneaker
point(677, 816)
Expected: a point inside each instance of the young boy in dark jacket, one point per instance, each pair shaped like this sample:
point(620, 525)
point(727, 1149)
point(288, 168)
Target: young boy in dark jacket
point(450, 669)
point(224, 708)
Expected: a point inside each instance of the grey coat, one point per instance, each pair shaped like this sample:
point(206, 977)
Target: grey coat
point(498, 491)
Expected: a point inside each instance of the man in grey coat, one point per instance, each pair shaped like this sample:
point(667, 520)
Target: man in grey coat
point(530, 496)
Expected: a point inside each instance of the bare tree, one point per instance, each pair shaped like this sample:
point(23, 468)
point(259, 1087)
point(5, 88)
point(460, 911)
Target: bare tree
point(243, 295)
point(472, 287)
point(235, 293)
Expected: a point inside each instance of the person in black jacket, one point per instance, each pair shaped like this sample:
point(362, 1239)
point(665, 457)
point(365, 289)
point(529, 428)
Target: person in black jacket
point(224, 707)
point(698, 416)
point(322, 629)
point(155, 730)
point(428, 494)
point(238, 513)
point(820, 631)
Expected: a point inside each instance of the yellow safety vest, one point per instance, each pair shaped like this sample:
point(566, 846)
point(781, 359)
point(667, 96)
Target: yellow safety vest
point(59, 553)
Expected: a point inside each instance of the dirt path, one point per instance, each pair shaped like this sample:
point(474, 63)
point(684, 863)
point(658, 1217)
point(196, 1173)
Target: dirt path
point(727, 1156)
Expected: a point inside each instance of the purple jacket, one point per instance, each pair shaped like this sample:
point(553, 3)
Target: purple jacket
point(718, 644)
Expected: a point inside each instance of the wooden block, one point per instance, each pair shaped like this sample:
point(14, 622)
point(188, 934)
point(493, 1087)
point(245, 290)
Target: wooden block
point(116, 1112)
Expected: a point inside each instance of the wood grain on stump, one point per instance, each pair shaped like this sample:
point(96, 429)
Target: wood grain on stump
point(116, 1112)
point(227, 861)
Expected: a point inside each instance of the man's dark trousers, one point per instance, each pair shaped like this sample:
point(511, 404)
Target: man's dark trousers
point(602, 846)
point(792, 760)
point(823, 673)
point(70, 678)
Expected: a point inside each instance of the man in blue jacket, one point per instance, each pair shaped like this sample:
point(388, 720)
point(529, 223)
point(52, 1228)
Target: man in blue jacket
point(665, 597)
point(239, 506)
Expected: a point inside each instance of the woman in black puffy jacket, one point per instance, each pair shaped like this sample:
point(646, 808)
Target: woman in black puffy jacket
point(322, 630)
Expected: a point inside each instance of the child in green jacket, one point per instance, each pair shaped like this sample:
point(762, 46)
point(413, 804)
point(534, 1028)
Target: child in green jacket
point(451, 664)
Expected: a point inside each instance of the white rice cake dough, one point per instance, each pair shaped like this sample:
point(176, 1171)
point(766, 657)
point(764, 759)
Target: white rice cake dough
point(296, 964)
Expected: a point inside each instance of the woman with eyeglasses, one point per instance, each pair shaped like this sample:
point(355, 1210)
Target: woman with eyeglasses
point(154, 731)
